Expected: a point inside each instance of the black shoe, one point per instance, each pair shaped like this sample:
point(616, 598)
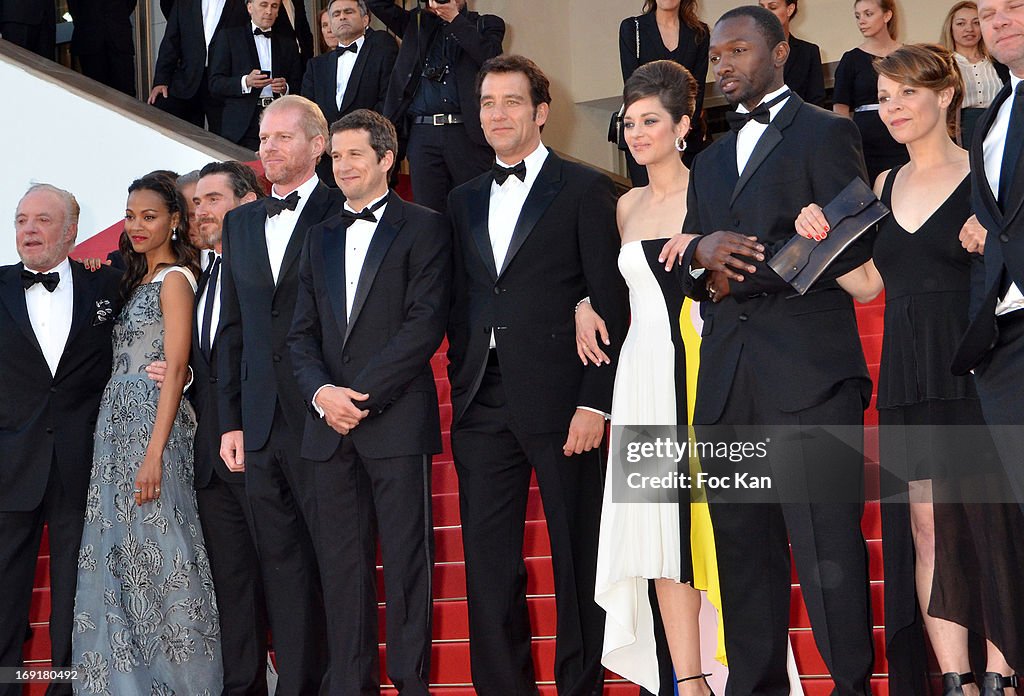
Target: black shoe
point(993, 683)
point(697, 676)
point(951, 683)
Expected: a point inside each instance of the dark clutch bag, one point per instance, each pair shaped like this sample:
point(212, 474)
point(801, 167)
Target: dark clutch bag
point(850, 214)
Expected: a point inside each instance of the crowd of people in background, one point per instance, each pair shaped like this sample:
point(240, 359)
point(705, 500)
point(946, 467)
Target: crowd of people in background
point(220, 422)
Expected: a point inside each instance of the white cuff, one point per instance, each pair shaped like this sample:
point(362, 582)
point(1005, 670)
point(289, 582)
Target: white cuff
point(697, 272)
point(191, 376)
point(315, 404)
point(246, 89)
point(604, 415)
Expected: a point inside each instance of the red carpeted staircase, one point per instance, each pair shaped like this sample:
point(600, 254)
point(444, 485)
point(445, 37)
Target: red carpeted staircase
point(451, 674)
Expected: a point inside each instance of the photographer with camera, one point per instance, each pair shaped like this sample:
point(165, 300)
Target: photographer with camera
point(432, 94)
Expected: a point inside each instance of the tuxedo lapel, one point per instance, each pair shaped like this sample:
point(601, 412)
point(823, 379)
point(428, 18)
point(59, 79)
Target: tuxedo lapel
point(312, 213)
point(546, 187)
point(333, 247)
point(253, 235)
point(254, 56)
point(329, 81)
point(768, 141)
point(357, 72)
point(479, 206)
point(383, 236)
point(977, 154)
point(83, 300)
point(12, 294)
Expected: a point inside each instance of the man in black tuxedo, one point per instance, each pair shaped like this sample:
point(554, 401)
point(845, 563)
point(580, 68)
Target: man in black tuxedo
point(250, 66)
point(773, 359)
point(372, 310)
point(531, 239)
point(180, 78)
point(432, 95)
point(353, 76)
point(261, 406)
point(55, 357)
point(103, 43)
point(31, 24)
point(994, 343)
point(293, 22)
point(223, 507)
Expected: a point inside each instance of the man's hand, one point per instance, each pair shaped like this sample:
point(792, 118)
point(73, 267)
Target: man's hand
point(94, 264)
point(340, 411)
point(232, 450)
point(591, 332)
point(717, 286)
point(157, 91)
point(586, 430)
point(257, 80)
point(447, 11)
point(719, 251)
point(279, 85)
point(157, 371)
point(972, 236)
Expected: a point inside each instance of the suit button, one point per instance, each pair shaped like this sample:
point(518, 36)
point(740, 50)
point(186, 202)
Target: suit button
point(497, 290)
point(213, 380)
point(277, 358)
point(49, 431)
point(346, 359)
point(1003, 237)
point(743, 317)
point(487, 329)
point(53, 390)
point(275, 313)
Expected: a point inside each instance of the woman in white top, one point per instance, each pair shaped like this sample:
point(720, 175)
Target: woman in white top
point(983, 77)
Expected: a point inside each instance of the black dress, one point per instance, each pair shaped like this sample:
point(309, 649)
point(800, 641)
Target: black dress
point(856, 85)
point(931, 425)
point(803, 72)
point(691, 53)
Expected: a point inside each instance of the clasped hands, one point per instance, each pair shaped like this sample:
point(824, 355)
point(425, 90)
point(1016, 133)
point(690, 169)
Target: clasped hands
point(339, 407)
point(722, 254)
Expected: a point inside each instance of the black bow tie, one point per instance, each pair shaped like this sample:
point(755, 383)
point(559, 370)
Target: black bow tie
point(761, 114)
point(47, 280)
point(366, 213)
point(259, 32)
point(342, 50)
point(501, 174)
point(276, 205)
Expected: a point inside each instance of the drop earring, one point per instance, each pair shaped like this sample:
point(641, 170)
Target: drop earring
point(174, 234)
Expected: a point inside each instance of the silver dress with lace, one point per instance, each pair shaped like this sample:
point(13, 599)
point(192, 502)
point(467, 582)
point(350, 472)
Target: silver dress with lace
point(146, 621)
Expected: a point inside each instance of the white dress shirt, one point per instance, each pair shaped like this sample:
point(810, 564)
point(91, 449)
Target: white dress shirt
point(746, 139)
point(981, 82)
point(995, 143)
point(210, 293)
point(279, 228)
point(212, 11)
point(50, 314)
point(347, 61)
point(263, 50)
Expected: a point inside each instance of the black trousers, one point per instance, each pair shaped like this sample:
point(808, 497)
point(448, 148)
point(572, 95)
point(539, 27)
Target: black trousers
point(441, 158)
point(1000, 382)
point(280, 489)
point(357, 498)
point(112, 68)
point(20, 535)
point(38, 38)
point(202, 109)
point(225, 516)
point(494, 460)
point(752, 541)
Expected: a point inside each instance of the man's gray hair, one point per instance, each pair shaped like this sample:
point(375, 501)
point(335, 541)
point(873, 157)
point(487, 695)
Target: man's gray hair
point(71, 208)
point(363, 8)
point(187, 179)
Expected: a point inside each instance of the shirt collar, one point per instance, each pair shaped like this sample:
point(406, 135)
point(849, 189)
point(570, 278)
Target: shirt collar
point(533, 161)
point(767, 98)
point(372, 203)
point(304, 190)
point(63, 269)
point(1014, 81)
point(253, 28)
point(358, 42)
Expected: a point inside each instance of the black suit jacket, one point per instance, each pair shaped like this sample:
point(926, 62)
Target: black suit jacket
point(804, 345)
point(26, 11)
point(254, 366)
point(182, 58)
point(300, 34)
point(565, 247)
point(479, 37)
point(203, 396)
point(1004, 249)
point(43, 417)
point(233, 54)
point(368, 85)
point(803, 72)
point(399, 314)
point(102, 26)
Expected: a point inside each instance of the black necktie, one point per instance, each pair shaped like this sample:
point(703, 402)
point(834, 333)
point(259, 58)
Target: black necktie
point(366, 213)
point(211, 289)
point(1013, 147)
point(259, 32)
point(47, 280)
point(501, 174)
point(342, 50)
point(761, 114)
point(276, 205)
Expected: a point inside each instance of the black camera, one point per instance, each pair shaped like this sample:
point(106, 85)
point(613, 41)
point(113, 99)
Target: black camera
point(435, 72)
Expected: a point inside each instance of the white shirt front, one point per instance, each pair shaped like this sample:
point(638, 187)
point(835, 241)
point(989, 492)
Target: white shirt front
point(279, 228)
point(212, 10)
point(357, 241)
point(263, 50)
point(346, 62)
point(211, 292)
point(50, 314)
point(747, 137)
point(995, 144)
point(981, 82)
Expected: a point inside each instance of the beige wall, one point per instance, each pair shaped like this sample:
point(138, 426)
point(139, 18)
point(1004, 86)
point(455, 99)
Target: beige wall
point(576, 43)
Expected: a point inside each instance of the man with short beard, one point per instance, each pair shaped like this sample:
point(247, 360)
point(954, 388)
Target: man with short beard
point(55, 358)
point(223, 508)
point(261, 407)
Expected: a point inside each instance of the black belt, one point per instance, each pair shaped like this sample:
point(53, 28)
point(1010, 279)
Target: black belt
point(264, 102)
point(438, 120)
